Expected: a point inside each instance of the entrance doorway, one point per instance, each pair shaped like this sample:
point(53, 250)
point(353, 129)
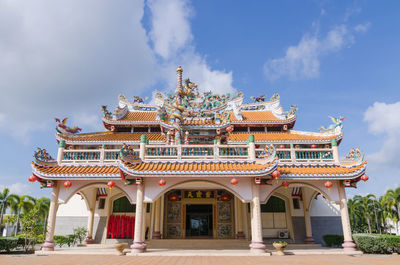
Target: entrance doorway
point(199, 220)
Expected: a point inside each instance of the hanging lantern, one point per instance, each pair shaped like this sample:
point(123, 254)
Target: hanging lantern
point(276, 174)
point(111, 184)
point(67, 185)
point(225, 197)
point(32, 178)
point(234, 182)
point(364, 178)
point(285, 184)
point(282, 146)
point(313, 146)
point(328, 184)
point(173, 197)
point(162, 182)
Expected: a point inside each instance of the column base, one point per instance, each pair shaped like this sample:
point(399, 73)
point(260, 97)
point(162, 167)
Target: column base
point(309, 240)
point(156, 235)
point(349, 245)
point(138, 247)
point(88, 240)
point(48, 245)
point(240, 235)
point(257, 247)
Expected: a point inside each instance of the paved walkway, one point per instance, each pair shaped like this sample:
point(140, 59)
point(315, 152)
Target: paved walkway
point(204, 260)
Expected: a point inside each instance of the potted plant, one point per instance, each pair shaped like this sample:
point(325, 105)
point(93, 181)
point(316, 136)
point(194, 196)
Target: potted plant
point(120, 248)
point(280, 247)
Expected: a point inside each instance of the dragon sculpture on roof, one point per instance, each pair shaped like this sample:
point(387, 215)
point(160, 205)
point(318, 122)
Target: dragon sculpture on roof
point(63, 128)
point(337, 125)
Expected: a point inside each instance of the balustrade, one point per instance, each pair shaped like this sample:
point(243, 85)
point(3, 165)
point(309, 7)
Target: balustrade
point(191, 152)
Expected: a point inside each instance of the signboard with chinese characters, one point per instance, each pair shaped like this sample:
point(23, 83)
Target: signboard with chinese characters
point(199, 194)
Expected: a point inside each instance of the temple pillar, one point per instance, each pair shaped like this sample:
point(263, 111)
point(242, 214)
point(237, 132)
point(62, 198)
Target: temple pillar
point(257, 244)
point(239, 219)
point(138, 245)
point(335, 151)
point(156, 233)
point(48, 244)
point(142, 150)
point(60, 153)
point(307, 220)
point(92, 208)
point(252, 148)
point(348, 244)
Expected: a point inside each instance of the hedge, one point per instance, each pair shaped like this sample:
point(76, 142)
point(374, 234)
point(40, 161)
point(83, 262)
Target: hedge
point(10, 243)
point(332, 240)
point(377, 244)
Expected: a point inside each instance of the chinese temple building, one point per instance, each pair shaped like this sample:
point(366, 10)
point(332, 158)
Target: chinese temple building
point(199, 165)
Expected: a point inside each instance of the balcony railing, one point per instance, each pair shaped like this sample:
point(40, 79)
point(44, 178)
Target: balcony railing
point(199, 152)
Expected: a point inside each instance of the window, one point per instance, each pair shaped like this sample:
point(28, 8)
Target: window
point(122, 205)
point(296, 203)
point(274, 205)
point(102, 203)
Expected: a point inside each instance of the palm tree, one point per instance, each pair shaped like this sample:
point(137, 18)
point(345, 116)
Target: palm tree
point(6, 199)
point(21, 205)
point(365, 204)
point(394, 198)
point(43, 204)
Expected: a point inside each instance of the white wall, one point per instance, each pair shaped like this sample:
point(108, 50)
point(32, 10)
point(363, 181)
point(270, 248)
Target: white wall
point(76, 206)
point(322, 207)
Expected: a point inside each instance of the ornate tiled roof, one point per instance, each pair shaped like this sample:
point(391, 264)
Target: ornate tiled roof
point(321, 171)
point(158, 169)
point(289, 136)
point(259, 116)
point(134, 117)
point(109, 137)
point(196, 168)
point(77, 171)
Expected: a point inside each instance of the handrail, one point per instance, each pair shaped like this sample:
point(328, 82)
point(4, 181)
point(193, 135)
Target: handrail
point(200, 151)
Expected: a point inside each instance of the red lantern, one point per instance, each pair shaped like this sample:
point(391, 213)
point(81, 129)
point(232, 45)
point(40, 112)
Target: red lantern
point(32, 178)
point(313, 146)
point(276, 174)
point(234, 182)
point(282, 146)
point(173, 197)
point(225, 197)
point(111, 184)
point(328, 184)
point(364, 178)
point(67, 184)
point(162, 182)
point(285, 184)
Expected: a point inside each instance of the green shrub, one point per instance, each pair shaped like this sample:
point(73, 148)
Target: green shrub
point(68, 240)
point(377, 244)
point(8, 243)
point(332, 240)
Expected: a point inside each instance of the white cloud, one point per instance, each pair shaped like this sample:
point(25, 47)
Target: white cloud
point(63, 58)
point(303, 60)
point(362, 27)
point(172, 38)
point(170, 27)
point(17, 188)
point(382, 119)
point(67, 59)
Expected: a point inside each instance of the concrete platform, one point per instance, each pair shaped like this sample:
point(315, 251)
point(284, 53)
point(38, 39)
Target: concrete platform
point(199, 247)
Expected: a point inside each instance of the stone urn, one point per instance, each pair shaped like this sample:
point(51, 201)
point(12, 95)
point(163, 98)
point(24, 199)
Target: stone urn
point(120, 248)
point(280, 247)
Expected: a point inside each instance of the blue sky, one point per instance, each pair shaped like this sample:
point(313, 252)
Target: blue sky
point(66, 59)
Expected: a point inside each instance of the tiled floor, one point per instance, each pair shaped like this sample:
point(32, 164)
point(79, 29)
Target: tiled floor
point(204, 260)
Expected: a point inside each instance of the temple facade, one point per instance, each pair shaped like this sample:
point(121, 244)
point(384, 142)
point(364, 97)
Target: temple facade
point(199, 165)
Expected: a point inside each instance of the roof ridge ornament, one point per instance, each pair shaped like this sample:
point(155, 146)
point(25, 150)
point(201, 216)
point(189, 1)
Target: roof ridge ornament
point(64, 129)
point(42, 158)
point(355, 156)
point(127, 154)
point(337, 125)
